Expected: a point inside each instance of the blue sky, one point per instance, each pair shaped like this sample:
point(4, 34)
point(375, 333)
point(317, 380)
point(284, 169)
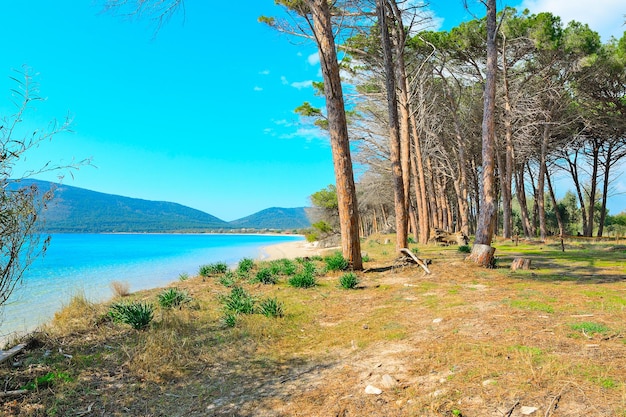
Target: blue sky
point(200, 114)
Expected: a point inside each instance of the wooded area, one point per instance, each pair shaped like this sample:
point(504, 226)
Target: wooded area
point(442, 153)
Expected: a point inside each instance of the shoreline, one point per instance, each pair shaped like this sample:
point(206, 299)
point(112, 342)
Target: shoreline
point(289, 250)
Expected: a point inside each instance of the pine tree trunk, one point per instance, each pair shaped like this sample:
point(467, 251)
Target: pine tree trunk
point(338, 129)
point(482, 253)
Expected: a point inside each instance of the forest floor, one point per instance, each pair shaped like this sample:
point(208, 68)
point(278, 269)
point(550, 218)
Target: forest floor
point(462, 341)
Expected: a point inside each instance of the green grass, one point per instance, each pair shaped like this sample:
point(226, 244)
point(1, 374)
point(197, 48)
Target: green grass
point(589, 328)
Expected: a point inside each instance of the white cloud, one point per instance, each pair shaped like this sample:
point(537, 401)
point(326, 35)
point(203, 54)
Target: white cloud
point(283, 80)
point(257, 88)
point(603, 16)
point(302, 84)
point(265, 72)
point(313, 59)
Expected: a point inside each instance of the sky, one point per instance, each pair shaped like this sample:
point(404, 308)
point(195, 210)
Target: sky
point(200, 113)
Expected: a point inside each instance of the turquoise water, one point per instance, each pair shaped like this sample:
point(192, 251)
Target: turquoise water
point(87, 263)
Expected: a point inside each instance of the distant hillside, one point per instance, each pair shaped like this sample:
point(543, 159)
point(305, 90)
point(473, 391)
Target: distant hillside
point(77, 210)
point(274, 218)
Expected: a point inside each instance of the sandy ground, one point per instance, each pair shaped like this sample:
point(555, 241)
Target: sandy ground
point(289, 250)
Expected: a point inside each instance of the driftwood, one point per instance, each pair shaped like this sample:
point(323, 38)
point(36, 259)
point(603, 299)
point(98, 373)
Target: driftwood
point(447, 238)
point(520, 263)
point(12, 393)
point(411, 256)
point(5, 355)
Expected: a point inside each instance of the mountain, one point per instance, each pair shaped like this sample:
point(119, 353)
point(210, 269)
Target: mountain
point(77, 210)
point(274, 218)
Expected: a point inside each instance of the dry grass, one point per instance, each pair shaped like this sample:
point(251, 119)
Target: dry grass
point(462, 341)
point(120, 288)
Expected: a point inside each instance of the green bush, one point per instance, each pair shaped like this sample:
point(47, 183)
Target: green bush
point(465, 249)
point(136, 314)
point(245, 265)
point(228, 279)
point(229, 319)
point(173, 297)
point(311, 236)
point(284, 266)
point(213, 269)
point(271, 307)
point(349, 280)
point(303, 280)
point(266, 276)
point(183, 276)
point(239, 301)
point(336, 262)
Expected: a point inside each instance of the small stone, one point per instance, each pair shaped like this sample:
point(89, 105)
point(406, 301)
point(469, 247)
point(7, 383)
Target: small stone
point(488, 382)
point(438, 320)
point(365, 326)
point(528, 410)
point(389, 381)
point(370, 389)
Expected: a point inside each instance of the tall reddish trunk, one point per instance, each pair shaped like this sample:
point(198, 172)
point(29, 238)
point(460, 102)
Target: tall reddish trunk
point(481, 252)
point(338, 129)
point(401, 208)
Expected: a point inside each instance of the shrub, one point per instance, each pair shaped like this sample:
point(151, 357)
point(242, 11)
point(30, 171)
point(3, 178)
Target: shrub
point(266, 276)
point(283, 267)
point(465, 249)
point(239, 301)
point(304, 279)
point(229, 319)
point(120, 289)
point(183, 276)
point(136, 314)
point(336, 262)
point(245, 265)
point(228, 279)
point(213, 269)
point(271, 307)
point(173, 297)
point(366, 258)
point(311, 236)
point(349, 280)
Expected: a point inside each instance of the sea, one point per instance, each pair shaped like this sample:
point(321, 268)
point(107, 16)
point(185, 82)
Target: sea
point(87, 264)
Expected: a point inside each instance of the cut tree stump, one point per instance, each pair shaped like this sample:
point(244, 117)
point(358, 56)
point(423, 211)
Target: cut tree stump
point(520, 263)
point(482, 255)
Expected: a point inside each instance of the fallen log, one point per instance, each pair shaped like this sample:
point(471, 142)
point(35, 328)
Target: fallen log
point(13, 393)
point(5, 355)
point(415, 259)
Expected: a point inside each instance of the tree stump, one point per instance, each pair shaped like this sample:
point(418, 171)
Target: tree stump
point(520, 263)
point(482, 255)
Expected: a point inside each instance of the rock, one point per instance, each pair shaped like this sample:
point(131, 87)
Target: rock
point(488, 382)
point(388, 381)
point(526, 411)
point(370, 389)
point(437, 320)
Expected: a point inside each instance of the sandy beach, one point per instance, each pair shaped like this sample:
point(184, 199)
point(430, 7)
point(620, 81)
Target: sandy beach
point(289, 250)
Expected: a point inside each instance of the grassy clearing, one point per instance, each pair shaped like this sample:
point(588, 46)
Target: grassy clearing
point(462, 341)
